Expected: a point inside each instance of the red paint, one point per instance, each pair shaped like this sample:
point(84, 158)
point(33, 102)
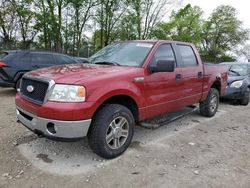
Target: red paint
point(159, 93)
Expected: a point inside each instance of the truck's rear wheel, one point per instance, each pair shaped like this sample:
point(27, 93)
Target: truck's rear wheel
point(111, 131)
point(209, 106)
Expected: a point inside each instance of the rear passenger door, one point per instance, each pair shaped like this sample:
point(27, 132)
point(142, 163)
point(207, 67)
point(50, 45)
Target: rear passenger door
point(40, 60)
point(192, 74)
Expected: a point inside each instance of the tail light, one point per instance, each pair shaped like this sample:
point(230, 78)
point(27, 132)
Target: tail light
point(2, 64)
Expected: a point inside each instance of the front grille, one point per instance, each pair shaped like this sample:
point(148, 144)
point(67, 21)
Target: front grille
point(39, 89)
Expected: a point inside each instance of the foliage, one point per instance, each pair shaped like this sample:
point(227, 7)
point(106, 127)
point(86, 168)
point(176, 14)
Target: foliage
point(215, 37)
point(244, 51)
point(222, 32)
point(184, 25)
point(81, 27)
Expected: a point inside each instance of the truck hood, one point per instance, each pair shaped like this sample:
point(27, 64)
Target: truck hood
point(73, 73)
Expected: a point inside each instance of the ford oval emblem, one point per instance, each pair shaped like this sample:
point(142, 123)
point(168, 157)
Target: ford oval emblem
point(30, 88)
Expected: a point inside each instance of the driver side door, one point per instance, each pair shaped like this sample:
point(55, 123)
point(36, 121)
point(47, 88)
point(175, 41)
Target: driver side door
point(163, 90)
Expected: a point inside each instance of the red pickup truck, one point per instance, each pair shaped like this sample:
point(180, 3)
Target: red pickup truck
point(124, 83)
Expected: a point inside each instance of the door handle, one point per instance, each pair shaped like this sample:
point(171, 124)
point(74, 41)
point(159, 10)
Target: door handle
point(200, 74)
point(178, 76)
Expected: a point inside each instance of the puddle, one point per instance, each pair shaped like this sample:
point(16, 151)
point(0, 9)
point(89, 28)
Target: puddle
point(61, 158)
point(195, 121)
point(136, 145)
point(44, 157)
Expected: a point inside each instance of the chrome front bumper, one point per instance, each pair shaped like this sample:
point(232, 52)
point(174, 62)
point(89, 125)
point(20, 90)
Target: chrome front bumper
point(53, 128)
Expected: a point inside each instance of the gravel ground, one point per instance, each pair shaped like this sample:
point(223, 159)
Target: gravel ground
point(190, 152)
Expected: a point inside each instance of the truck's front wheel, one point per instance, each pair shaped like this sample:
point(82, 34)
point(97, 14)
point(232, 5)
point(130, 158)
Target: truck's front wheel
point(209, 106)
point(111, 131)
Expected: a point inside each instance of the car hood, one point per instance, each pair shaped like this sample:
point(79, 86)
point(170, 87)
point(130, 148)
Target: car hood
point(75, 73)
point(232, 79)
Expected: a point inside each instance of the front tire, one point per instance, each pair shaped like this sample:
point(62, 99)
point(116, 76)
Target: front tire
point(245, 100)
point(209, 107)
point(17, 85)
point(111, 131)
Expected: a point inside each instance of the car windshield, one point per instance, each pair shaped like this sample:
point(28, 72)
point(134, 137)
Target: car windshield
point(238, 70)
point(122, 54)
point(3, 54)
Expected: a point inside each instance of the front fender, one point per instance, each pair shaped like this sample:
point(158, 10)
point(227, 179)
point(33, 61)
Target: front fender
point(100, 94)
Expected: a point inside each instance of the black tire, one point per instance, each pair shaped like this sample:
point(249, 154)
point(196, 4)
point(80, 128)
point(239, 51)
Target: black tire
point(245, 100)
point(17, 85)
point(209, 107)
point(101, 127)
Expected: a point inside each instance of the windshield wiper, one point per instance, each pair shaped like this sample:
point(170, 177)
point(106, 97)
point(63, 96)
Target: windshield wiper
point(238, 74)
point(107, 63)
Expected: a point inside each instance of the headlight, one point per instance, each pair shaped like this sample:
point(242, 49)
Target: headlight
point(237, 84)
point(68, 93)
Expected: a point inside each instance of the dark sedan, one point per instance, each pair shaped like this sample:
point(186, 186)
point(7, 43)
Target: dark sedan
point(13, 64)
point(238, 82)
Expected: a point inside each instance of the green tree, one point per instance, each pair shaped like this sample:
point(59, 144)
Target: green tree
point(26, 21)
point(244, 51)
point(8, 25)
point(108, 15)
point(82, 12)
point(43, 24)
point(222, 32)
point(184, 25)
point(146, 14)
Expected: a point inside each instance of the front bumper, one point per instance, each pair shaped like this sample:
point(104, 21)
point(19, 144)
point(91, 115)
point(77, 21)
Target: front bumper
point(53, 129)
point(234, 93)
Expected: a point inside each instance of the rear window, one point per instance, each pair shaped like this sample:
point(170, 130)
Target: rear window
point(61, 59)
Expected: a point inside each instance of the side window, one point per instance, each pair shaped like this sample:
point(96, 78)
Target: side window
point(188, 56)
point(62, 59)
point(25, 58)
point(38, 58)
point(164, 52)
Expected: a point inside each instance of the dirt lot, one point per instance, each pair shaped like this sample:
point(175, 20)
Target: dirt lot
point(191, 152)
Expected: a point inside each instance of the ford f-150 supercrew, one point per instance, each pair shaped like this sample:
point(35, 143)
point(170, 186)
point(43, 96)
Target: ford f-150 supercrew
point(124, 83)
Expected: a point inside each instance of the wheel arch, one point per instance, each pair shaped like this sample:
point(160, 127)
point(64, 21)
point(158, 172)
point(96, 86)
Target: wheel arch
point(217, 84)
point(123, 99)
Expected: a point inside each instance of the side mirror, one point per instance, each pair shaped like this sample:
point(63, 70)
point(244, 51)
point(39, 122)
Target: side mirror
point(162, 66)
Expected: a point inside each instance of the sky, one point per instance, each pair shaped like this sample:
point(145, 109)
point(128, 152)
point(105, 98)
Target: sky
point(242, 7)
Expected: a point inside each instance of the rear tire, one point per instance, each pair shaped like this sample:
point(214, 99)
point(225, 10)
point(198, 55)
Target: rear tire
point(209, 107)
point(245, 100)
point(111, 131)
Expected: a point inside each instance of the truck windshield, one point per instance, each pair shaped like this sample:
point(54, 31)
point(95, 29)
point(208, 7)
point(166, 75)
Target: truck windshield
point(238, 70)
point(122, 54)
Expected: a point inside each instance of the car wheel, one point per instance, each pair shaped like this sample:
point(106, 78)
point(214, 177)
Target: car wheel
point(111, 131)
point(17, 85)
point(245, 100)
point(209, 106)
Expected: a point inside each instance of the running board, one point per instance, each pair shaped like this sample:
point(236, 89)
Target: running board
point(164, 119)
